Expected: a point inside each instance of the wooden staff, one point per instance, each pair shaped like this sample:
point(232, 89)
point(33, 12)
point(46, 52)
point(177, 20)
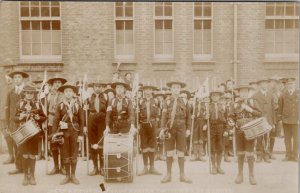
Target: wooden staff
point(87, 142)
point(234, 128)
point(192, 129)
point(46, 135)
point(208, 138)
point(137, 135)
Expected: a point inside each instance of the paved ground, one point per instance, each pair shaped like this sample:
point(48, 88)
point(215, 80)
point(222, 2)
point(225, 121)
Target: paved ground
point(277, 177)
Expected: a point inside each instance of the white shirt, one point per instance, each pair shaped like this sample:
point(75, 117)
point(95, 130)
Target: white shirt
point(18, 89)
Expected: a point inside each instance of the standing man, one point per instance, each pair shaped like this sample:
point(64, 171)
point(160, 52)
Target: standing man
point(176, 117)
point(12, 99)
point(96, 124)
point(53, 99)
point(70, 120)
point(148, 119)
point(288, 114)
point(264, 98)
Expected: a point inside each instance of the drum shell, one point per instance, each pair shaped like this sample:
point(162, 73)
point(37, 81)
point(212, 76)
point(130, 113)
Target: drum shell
point(118, 158)
point(25, 132)
point(256, 128)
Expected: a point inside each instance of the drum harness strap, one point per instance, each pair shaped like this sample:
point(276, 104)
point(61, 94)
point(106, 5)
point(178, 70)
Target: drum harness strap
point(70, 107)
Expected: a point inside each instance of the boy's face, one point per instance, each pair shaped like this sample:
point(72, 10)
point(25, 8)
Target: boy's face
point(69, 93)
point(176, 89)
point(18, 79)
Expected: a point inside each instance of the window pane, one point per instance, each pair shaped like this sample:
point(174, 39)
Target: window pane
point(54, 3)
point(36, 36)
point(206, 24)
point(207, 11)
point(197, 10)
point(46, 37)
point(279, 9)
point(34, 11)
point(36, 49)
point(25, 25)
point(44, 3)
point(46, 49)
point(168, 36)
point(35, 3)
point(158, 36)
point(158, 10)
point(119, 25)
point(55, 25)
point(128, 25)
point(35, 25)
point(269, 24)
point(56, 36)
point(158, 24)
point(289, 24)
point(167, 24)
point(26, 49)
point(55, 11)
point(120, 37)
point(297, 9)
point(45, 11)
point(26, 36)
point(119, 4)
point(168, 10)
point(158, 48)
point(197, 24)
point(168, 48)
point(24, 11)
point(289, 9)
point(128, 4)
point(129, 37)
point(296, 23)
point(46, 25)
point(128, 11)
point(278, 24)
point(56, 49)
point(119, 11)
point(270, 10)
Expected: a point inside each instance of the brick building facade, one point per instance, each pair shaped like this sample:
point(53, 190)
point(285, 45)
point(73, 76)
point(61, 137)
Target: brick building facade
point(245, 41)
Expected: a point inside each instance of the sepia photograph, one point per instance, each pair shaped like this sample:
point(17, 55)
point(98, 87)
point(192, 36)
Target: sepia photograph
point(149, 97)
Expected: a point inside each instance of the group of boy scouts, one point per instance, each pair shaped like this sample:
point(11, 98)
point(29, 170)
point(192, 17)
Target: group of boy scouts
point(170, 122)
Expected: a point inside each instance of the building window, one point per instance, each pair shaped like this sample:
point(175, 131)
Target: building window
point(40, 33)
point(163, 19)
point(282, 29)
point(202, 30)
point(124, 41)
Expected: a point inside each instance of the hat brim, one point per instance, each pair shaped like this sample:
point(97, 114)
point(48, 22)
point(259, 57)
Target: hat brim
point(264, 80)
point(148, 87)
point(109, 90)
point(51, 80)
point(216, 92)
point(23, 74)
point(182, 84)
point(245, 87)
point(62, 88)
point(97, 84)
point(126, 86)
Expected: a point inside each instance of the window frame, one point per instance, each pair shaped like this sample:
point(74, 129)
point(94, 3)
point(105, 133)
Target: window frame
point(124, 57)
point(163, 56)
point(39, 58)
point(283, 18)
point(203, 57)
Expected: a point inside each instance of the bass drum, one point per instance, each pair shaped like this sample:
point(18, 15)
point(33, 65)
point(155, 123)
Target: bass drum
point(118, 158)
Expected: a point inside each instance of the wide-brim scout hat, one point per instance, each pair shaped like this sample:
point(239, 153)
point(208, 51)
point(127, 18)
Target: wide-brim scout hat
point(291, 80)
point(23, 74)
point(274, 78)
point(52, 80)
point(110, 90)
point(148, 85)
point(65, 86)
point(120, 82)
point(97, 84)
point(182, 84)
point(30, 88)
point(263, 80)
point(37, 81)
point(244, 86)
point(216, 91)
point(159, 93)
point(186, 92)
point(253, 82)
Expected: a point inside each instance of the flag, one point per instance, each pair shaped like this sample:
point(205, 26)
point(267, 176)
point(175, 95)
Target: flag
point(43, 92)
point(205, 88)
point(135, 85)
point(84, 92)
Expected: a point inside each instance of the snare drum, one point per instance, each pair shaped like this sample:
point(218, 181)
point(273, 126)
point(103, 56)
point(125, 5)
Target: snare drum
point(25, 131)
point(118, 157)
point(256, 128)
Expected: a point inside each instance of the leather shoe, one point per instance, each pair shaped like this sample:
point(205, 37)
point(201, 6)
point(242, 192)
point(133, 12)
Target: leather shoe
point(10, 160)
point(184, 179)
point(143, 172)
point(32, 180)
point(166, 179)
point(94, 172)
point(65, 180)
point(214, 171)
point(16, 171)
point(63, 171)
point(252, 180)
point(53, 171)
point(239, 179)
point(153, 171)
point(74, 180)
point(220, 171)
point(25, 181)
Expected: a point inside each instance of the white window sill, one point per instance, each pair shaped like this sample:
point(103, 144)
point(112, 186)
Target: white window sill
point(281, 58)
point(40, 59)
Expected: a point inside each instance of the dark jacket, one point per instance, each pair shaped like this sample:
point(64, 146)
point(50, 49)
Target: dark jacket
point(288, 107)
